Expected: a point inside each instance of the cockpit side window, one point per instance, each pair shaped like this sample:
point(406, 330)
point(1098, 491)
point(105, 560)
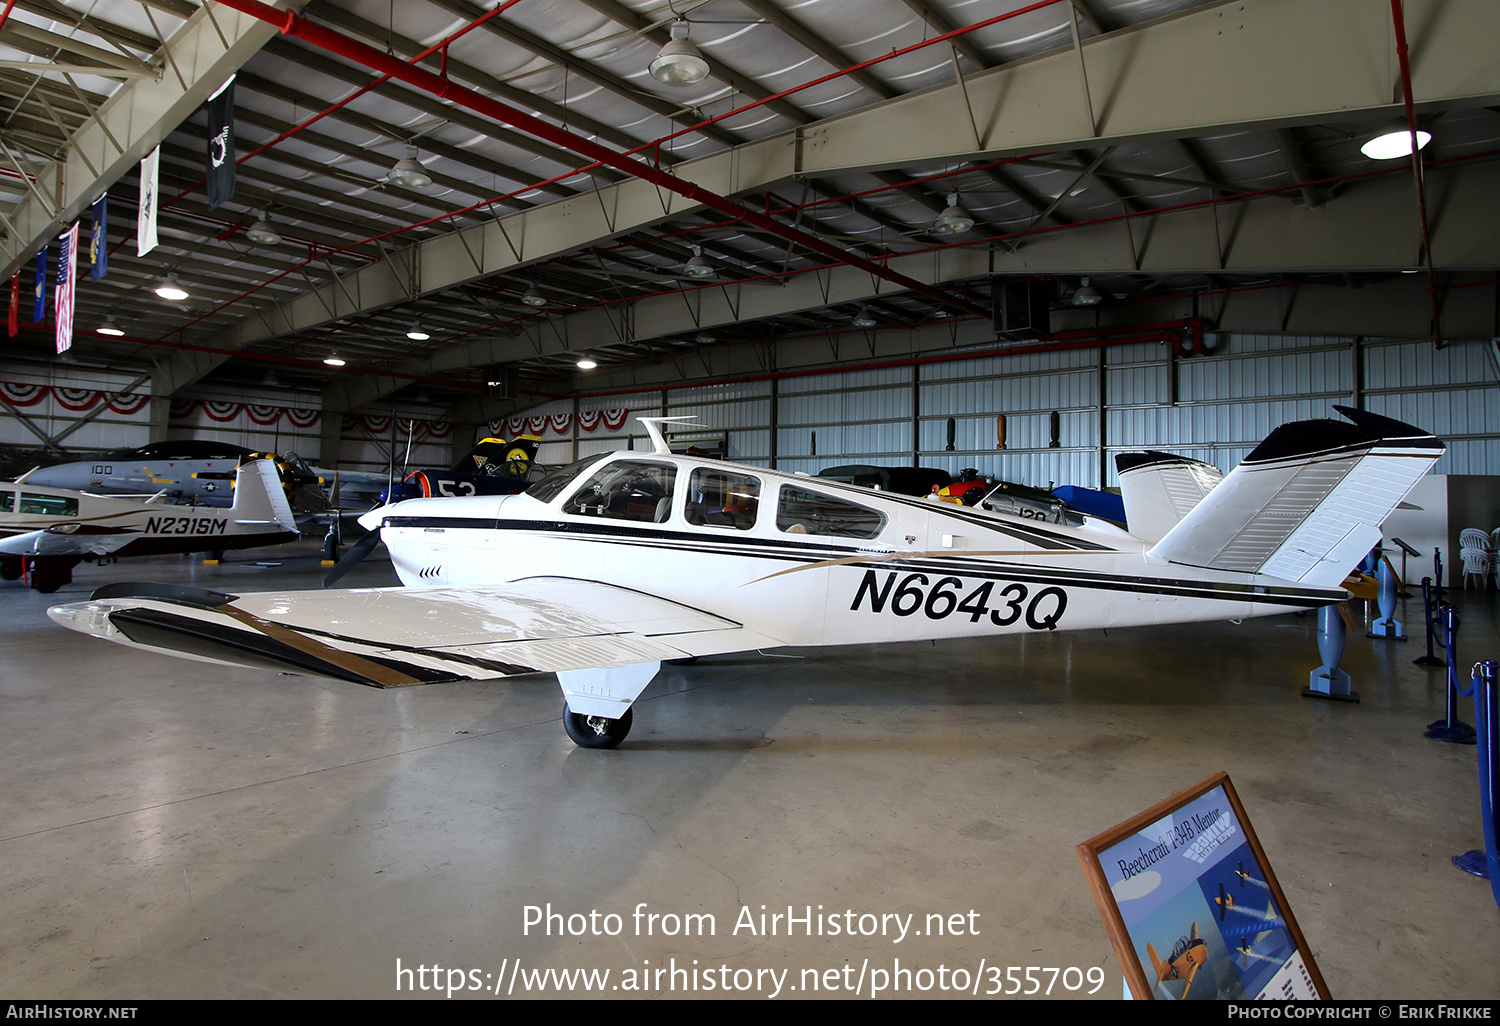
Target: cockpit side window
point(626, 490)
point(49, 505)
point(806, 512)
point(555, 483)
point(721, 498)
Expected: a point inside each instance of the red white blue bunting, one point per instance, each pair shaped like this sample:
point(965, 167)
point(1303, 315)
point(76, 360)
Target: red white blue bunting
point(22, 395)
point(559, 423)
point(76, 400)
point(224, 412)
point(379, 426)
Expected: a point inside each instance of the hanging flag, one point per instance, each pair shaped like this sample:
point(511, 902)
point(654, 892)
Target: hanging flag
point(145, 222)
point(67, 276)
point(99, 239)
point(39, 289)
point(221, 145)
point(15, 304)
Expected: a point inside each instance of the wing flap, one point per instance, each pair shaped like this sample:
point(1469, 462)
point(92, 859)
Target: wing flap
point(392, 637)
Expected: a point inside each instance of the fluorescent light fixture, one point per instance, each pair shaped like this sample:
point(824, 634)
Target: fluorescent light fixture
point(586, 362)
point(333, 360)
point(954, 220)
point(532, 298)
point(409, 172)
point(109, 327)
point(416, 334)
point(679, 62)
point(1393, 144)
point(261, 233)
point(171, 290)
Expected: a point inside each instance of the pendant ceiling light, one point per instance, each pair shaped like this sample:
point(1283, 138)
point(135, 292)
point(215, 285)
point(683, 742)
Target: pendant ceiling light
point(333, 360)
point(1394, 143)
point(679, 62)
point(954, 220)
point(587, 362)
point(863, 318)
point(1086, 295)
point(409, 172)
point(109, 327)
point(171, 290)
point(261, 233)
point(697, 267)
point(533, 298)
point(416, 334)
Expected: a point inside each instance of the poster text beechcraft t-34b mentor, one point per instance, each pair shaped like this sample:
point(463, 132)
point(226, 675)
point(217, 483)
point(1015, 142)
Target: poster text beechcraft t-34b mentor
point(606, 568)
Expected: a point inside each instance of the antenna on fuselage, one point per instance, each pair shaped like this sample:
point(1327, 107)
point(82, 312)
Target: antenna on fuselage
point(658, 440)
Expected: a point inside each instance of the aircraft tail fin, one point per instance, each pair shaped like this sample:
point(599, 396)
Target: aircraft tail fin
point(1159, 489)
point(259, 497)
point(496, 456)
point(1308, 502)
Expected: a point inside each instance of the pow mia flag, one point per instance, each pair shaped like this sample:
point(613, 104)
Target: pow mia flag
point(221, 145)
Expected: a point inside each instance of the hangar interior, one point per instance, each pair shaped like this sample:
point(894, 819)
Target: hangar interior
point(805, 249)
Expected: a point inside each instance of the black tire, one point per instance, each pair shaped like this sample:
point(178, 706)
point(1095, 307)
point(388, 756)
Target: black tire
point(10, 571)
point(596, 731)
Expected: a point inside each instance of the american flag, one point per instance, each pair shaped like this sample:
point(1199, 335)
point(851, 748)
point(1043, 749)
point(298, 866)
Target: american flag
point(67, 266)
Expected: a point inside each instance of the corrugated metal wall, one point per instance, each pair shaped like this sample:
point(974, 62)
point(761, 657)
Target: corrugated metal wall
point(1215, 408)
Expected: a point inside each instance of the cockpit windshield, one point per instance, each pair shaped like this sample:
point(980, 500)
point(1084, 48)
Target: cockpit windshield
point(555, 483)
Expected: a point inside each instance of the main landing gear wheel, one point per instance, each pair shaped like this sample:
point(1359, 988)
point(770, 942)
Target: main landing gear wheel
point(596, 731)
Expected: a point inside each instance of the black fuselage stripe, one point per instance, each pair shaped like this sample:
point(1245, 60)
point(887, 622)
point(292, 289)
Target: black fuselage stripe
point(1061, 576)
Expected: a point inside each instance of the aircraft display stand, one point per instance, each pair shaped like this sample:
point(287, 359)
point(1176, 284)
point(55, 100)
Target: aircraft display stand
point(1387, 627)
point(1485, 862)
point(1192, 906)
point(1328, 681)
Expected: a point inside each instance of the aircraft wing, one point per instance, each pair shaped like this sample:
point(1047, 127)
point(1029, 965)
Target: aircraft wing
point(87, 541)
point(391, 637)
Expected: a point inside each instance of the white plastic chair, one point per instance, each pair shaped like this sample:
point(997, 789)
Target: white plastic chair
point(1477, 563)
point(1474, 538)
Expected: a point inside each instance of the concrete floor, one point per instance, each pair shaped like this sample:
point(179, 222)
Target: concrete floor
point(172, 830)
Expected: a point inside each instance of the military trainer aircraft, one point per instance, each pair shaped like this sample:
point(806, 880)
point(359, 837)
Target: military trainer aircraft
point(604, 569)
point(46, 532)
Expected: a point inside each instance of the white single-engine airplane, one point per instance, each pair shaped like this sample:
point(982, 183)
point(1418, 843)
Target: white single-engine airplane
point(46, 532)
point(606, 568)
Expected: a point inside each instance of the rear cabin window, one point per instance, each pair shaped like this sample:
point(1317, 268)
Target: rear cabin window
point(49, 505)
point(626, 490)
point(805, 512)
point(721, 498)
point(7, 502)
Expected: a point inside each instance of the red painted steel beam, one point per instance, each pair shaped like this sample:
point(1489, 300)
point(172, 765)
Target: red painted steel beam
point(297, 26)
point(1403, 56)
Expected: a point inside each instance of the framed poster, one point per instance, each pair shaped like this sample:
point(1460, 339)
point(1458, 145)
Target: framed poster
point(1191, 904)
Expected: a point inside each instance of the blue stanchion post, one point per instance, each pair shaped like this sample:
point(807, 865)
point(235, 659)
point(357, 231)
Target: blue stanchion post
point(1429, 659)
point(1486, 863)
point(1450, 728)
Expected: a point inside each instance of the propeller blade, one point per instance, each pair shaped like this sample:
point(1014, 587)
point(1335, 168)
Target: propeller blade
point(356, 554)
